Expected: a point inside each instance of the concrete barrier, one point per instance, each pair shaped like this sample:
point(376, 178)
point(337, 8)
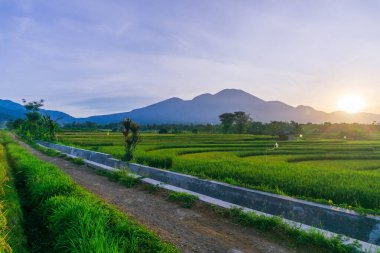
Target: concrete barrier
point(337, 220)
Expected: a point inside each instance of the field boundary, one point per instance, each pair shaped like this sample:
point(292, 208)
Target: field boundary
point(299, 213)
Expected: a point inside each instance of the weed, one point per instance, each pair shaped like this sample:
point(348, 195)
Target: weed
point(185, 199)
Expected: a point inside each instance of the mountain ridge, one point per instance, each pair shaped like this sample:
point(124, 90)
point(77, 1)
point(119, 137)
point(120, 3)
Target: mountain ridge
point(205, 108)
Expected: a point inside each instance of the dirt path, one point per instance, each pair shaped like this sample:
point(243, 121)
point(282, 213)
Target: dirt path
point(191, 230)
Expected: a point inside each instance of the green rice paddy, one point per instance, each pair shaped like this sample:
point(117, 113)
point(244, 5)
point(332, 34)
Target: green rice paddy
point(340, 172)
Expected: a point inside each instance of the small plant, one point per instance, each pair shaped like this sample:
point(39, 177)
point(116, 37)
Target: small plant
point(151, 188)
point(187, 200)
point(76, 160)
point(123, 177)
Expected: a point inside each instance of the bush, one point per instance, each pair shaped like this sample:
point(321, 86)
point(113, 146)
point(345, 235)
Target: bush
point(187, 200)
point(123, 177)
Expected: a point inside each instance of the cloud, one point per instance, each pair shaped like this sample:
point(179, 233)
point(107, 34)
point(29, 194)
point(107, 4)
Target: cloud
point(89, 57)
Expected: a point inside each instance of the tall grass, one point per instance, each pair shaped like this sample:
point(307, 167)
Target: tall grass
point(12, 238)
point(69, 219)
point(164, 162)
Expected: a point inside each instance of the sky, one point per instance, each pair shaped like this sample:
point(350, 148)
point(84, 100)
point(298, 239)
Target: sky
point(87, 57)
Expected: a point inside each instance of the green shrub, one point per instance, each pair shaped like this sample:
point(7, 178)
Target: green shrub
point(76, 160)
point(187, 200)
point(124, 178)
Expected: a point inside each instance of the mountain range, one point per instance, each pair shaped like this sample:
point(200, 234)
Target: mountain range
point(204, 108)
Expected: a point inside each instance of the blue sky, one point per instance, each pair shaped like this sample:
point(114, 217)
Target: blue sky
point(93, 57)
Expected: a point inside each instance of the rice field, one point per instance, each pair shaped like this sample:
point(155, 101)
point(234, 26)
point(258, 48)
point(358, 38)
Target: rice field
point(333, 171)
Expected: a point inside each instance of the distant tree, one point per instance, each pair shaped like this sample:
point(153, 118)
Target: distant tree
point(227, 120)
point(277, 127)
point(194, 131)
point(176, 131)
point(256, 128)
point(163, 131)
point(242, 121)
point(295, 128)
point(131, 132)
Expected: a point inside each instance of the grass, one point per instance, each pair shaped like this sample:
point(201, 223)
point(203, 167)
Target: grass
point(123, 177)
point(321, 170)
point(76, 160)
point(12, 237)
point(278, 228)
point(271, 225)
point(185, 199)
point(60, 216)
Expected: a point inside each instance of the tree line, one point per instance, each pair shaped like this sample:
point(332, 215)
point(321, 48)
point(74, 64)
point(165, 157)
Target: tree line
point(241, 123)
point(38, 126)
point(35, 126)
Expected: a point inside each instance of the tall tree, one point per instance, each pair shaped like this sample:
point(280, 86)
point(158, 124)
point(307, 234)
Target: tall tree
point(227, 120)
point(242, 120)
point(30, 129)
point(131, 132)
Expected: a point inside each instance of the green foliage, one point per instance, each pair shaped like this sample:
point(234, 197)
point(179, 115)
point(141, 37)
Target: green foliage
point(68, 219)
point(12, 238)
point(35, 126)
point(131, 137)
point(227, 120)
point(76, 160)
point(164, 162)
point(124, 177)
point(277, 226)
point(185, 199)
point(241, 121)
point(163, 131)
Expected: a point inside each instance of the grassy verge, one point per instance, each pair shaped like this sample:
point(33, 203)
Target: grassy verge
point(62, 217)
point(12, 238)
point(275, 226)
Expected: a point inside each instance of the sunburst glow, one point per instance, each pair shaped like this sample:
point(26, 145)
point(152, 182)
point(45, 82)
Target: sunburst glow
point(352, 104)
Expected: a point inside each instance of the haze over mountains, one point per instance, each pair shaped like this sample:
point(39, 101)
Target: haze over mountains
point(204, 109)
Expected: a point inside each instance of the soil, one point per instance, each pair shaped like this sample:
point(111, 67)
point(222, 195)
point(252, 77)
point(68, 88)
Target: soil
point(198, 229)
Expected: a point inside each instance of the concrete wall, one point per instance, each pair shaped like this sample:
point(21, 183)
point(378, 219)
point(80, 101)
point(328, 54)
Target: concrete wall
point(337, 220)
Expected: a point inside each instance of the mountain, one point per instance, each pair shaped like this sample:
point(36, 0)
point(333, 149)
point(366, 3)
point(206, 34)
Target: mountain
point(10, 111)
point(205, 109)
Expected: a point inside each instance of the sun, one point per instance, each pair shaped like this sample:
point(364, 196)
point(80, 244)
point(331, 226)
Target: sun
point(351, 104)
